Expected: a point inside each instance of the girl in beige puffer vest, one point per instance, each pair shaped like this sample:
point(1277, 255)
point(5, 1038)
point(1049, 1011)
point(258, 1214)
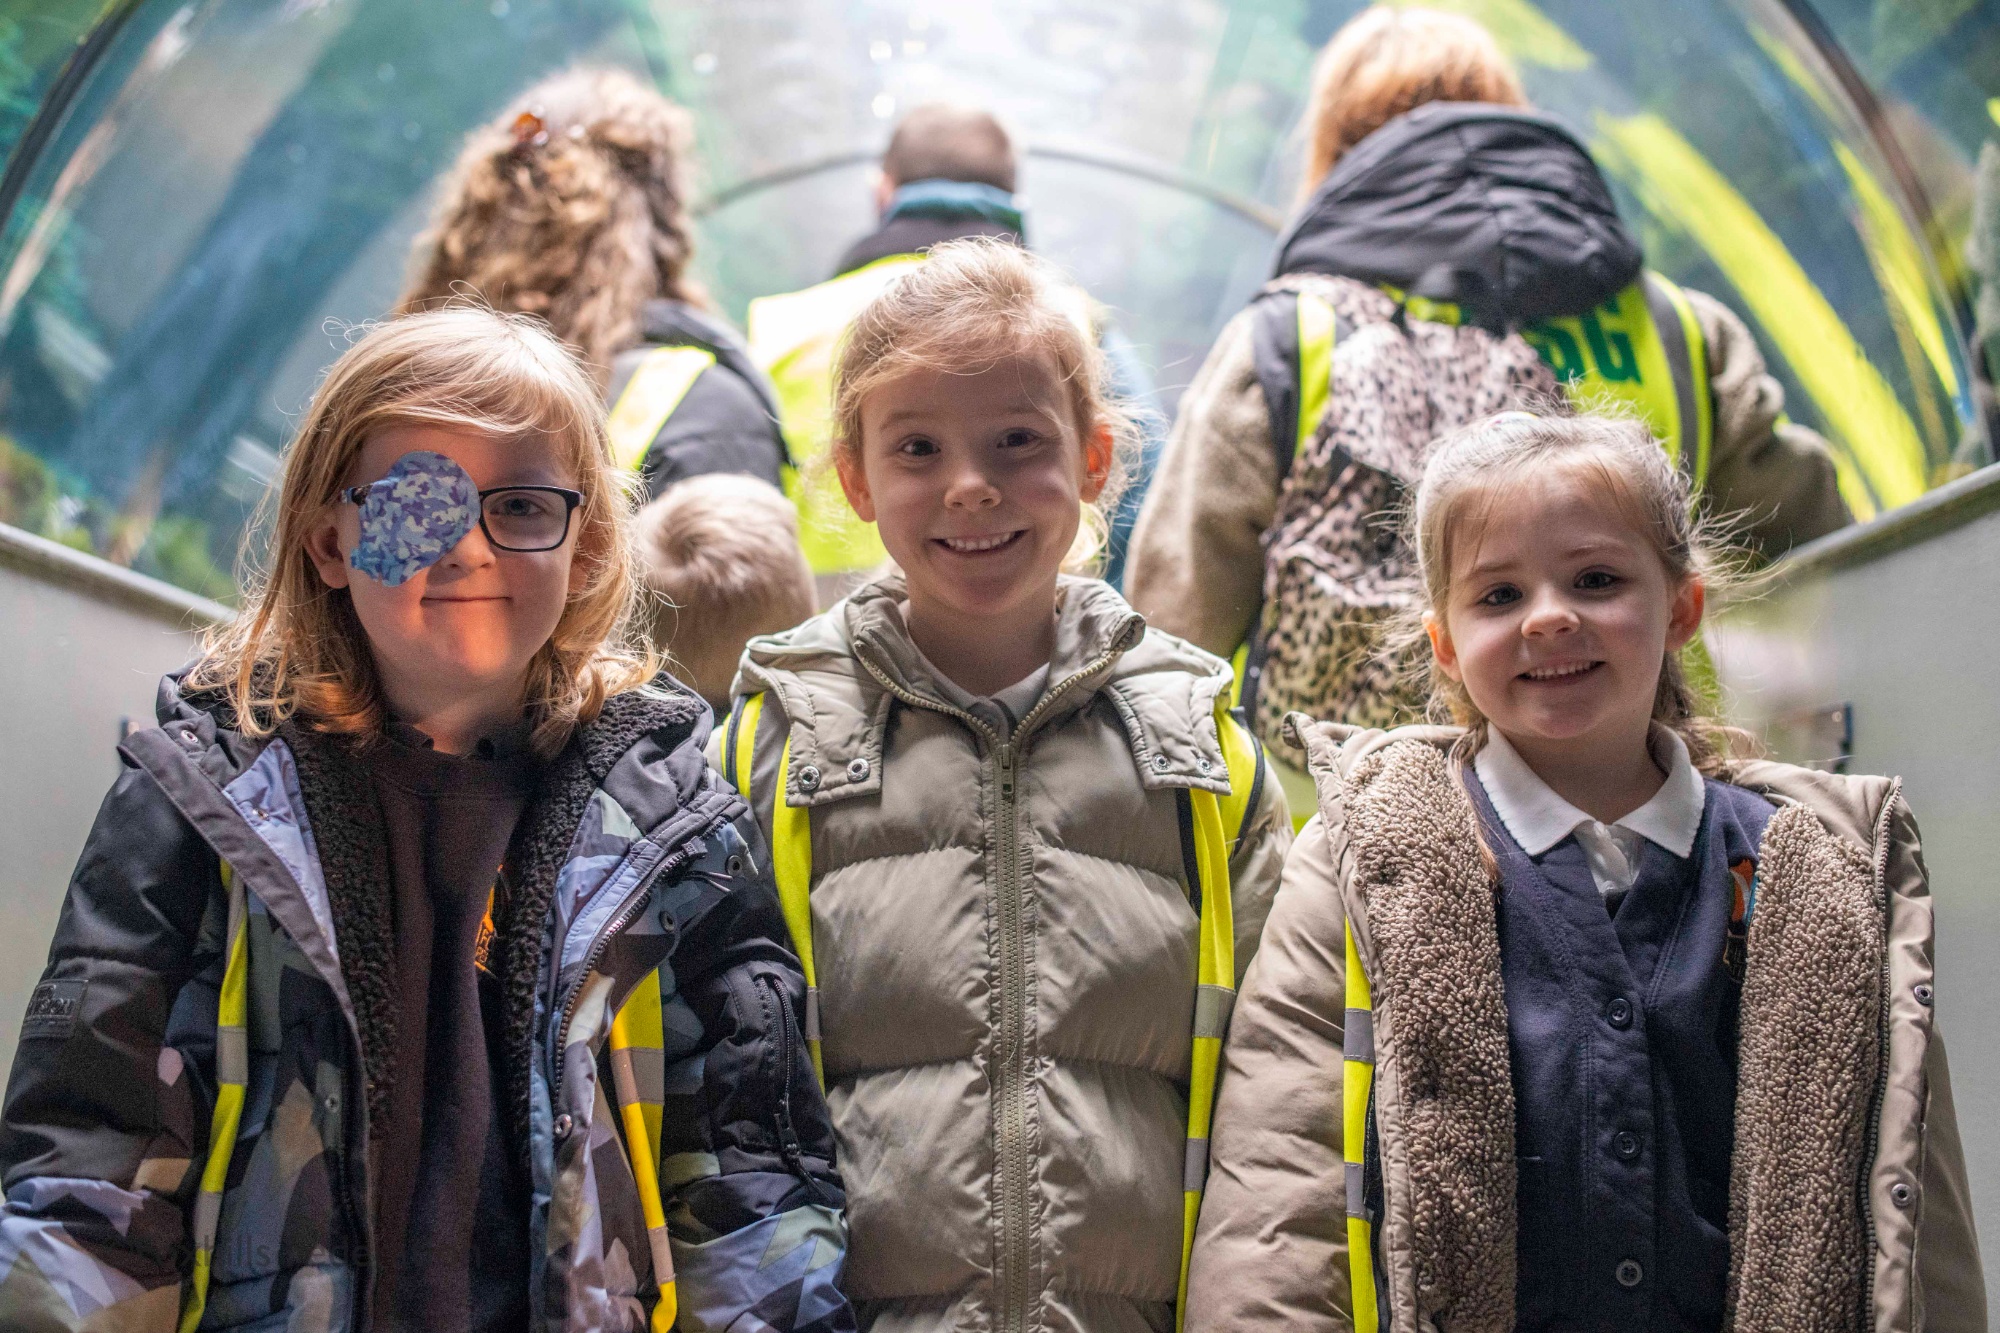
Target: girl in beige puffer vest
point(1565, 1020)
point(1024, 847)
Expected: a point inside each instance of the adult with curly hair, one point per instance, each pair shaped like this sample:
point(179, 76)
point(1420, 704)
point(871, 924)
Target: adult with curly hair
point(572, 205)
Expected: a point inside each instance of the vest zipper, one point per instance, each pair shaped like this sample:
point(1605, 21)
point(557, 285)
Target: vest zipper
point(1013, 1163)
point(1871, 1143)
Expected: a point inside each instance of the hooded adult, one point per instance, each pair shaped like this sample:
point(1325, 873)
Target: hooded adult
point(1458, 253)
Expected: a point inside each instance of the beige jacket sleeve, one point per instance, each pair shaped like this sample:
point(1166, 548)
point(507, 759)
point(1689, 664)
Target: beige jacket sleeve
point(1270, 1252)
point(1773, 482)
point(1255, 868)
point(1197, 563)
point(1949, 1277)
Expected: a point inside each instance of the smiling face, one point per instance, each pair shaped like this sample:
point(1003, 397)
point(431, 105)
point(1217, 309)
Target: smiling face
point(976, 482)
point(464, 630)
point(1558, 619)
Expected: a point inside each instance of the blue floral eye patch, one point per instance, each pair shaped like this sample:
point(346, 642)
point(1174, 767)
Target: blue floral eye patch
point(413, 517)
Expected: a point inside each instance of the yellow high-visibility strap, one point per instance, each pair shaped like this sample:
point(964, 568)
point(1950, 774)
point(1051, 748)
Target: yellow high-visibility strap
point(663, 378)
point(1697, 352)
point(1357, 1076)
point(637, 1027)
point(232, 1076)
point(791, 864)
point(1238, 661)
point(1218, 827)
point(1316, 332)
point(748, 714)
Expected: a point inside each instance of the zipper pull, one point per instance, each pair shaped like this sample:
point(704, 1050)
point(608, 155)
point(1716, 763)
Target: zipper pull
point(1004, 757)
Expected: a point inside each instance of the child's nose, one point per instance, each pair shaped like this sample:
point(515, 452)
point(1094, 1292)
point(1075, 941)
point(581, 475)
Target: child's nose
point(971, 488)
point(1549, 612)
point(473, 550)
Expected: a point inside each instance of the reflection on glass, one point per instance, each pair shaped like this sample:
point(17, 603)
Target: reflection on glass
point(232, 175)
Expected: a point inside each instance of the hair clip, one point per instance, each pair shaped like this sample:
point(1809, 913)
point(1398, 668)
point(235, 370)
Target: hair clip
point(530, 131)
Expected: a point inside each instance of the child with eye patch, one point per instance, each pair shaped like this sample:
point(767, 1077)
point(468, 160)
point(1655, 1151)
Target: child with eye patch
point(419, 972)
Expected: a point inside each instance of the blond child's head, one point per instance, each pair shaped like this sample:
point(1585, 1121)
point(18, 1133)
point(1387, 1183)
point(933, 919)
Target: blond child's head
point(1390, 60)
point(1562, 572)
point(720, 554)
point(973, 425)
point(449, 541)
point(572, 205)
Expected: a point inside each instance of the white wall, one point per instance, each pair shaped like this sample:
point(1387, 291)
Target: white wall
point(83, 645)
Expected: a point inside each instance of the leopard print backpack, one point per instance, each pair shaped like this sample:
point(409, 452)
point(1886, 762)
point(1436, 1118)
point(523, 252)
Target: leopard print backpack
point(1337, 568)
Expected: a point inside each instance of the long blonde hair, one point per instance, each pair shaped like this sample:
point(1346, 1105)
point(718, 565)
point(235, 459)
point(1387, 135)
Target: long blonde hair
point(1464, 490)
point(970, 303)
point(571, 205)
point(299, 648)
point(1387, 61)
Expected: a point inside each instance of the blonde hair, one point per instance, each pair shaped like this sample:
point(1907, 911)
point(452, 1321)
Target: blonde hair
point(1388, 61)
point(721, 554)
point(1464, 490)
point(572, 205)
point(972, 303)
point(299, 648)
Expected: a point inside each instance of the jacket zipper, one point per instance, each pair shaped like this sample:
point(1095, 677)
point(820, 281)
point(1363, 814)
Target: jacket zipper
point(1012, 1163)
point(789, 1147)
point(621, 919)
point(1872, 1142)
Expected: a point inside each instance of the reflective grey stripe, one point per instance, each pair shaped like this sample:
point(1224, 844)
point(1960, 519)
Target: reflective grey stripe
point(1673, 341)
point(1358, 1044)
point(1194, 1171)
point(812, 1013)
point(232, 1055)
point(207, 1213)
point(645, 1071)
point(1357, 1190)
point(1212, 1007)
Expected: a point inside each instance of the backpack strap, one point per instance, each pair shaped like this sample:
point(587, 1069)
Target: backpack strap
point(1687, 359)
point(791, 851)
point(658, 384)
point(232, 1078)
point(1292, 341)
point(1212, 827)
point(638, 1077)
point(1357, 1070)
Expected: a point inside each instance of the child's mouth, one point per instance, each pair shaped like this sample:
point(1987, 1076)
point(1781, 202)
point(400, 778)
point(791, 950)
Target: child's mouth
point(1559, 673)
point(980, 545)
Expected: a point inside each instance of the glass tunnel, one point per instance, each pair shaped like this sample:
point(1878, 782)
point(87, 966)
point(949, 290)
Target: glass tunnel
point(203, 200)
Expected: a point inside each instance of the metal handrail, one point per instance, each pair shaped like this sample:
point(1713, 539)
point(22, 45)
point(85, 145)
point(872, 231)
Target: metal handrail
point(1157, 173)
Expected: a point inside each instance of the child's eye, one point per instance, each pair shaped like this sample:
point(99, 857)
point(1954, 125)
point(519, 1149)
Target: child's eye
point(1504, 595)
point(1596, 580)
point(1018, 439)
point(918, 446)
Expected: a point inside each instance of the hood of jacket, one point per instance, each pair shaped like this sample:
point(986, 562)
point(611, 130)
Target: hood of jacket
point(838, 675)
point(678, 324)
point(1497, 209)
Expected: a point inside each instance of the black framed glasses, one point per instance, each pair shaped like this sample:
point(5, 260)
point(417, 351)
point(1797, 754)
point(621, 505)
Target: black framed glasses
point(514, 518)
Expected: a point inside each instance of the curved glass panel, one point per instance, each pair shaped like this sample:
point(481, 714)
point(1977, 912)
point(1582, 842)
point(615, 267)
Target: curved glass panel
point(237, 180)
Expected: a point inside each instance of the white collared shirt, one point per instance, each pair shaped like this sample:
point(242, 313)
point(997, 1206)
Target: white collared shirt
point(1538, 819)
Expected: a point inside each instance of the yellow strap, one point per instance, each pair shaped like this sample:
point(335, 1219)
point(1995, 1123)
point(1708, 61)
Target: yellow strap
point(663, 378)
point(1357, 1076)
point(1704, 404)
point(748, 714)
point(1218, 827)
point(638, 1025)
point(1316, 331)
point(232, 1051)
point(791, 863)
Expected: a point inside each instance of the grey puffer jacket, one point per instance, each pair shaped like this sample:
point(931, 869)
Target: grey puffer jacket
point(1006, 957)
point(1848, 1204)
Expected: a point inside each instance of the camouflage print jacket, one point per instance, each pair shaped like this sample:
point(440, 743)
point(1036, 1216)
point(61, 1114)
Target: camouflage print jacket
point(231, 876)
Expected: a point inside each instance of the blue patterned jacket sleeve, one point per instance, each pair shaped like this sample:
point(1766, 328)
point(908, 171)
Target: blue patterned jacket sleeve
point(755, 1209)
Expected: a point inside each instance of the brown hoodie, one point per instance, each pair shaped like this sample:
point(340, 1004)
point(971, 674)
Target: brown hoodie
point(1849, 1206)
